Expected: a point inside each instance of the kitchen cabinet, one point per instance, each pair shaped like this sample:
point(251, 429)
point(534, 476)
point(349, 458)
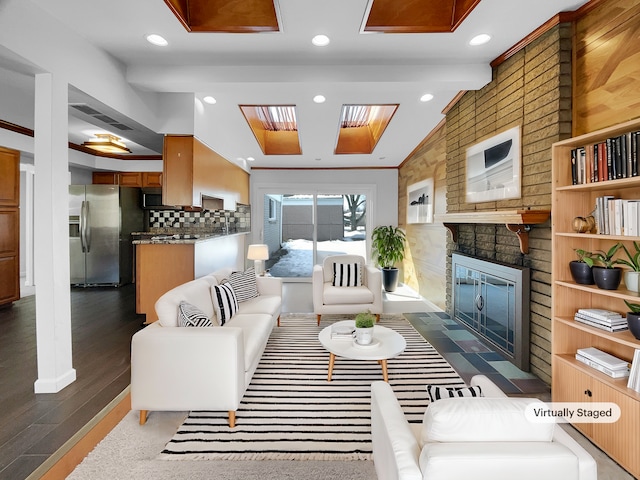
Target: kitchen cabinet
point(572, 381)
point(9, 225)
point(128, 179)
point(192, 171)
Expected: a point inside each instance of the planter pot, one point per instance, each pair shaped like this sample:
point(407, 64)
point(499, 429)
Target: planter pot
point(607, 278)
point(633, 321)
point(390, 279)
point(581, 272)
point(632, 281)
point(364, 336)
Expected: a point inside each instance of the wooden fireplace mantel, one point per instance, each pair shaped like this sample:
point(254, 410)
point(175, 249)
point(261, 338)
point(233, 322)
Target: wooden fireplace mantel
point(516, 221)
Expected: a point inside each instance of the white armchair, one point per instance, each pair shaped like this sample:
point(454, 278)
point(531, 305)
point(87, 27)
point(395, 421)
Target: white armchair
point(330, 297)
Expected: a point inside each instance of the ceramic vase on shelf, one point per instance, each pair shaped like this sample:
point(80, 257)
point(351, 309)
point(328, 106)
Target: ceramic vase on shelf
point(633, 322)
point(581, 272)
point(364, 336)
point(632, 281)
point(607, 278)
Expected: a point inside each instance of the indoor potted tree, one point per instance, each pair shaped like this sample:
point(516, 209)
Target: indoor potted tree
point(632, 277)
point(633, 318)
point(606, 275)
point(581, 269)
point(364, 327)
point(387, 244)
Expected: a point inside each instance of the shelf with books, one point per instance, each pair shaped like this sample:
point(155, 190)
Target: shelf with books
point(571, 379)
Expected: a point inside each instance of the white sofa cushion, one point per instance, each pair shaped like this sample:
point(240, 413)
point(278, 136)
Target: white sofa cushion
point(261, 304)
point(256, 329)
point(498, 461)
point(196, 292)
point(345, 296)
point(483, 420)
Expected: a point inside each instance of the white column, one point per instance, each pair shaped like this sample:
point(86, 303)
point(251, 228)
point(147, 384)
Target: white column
point(51, 246)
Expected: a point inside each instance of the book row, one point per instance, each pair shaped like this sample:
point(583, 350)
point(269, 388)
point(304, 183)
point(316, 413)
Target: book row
point(616, 157)
point(617, 216)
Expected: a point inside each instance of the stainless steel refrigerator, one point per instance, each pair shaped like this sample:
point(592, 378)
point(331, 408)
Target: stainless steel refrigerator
point(101, 220)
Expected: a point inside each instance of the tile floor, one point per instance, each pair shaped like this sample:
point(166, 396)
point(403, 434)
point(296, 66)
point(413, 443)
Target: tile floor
point(469, 356)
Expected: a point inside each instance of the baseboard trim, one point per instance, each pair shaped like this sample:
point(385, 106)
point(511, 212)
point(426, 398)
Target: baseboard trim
point(69, 456)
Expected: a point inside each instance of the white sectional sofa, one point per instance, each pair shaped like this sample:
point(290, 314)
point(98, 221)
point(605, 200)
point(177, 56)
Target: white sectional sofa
point(177, 368)
point(480, 438)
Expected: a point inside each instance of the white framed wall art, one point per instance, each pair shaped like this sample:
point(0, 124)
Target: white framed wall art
point(420, 202)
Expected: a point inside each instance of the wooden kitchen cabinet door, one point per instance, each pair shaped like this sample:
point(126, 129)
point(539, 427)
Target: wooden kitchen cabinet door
point(152, 179)
point(130, 179)
point(105, 178)
point(9, 177)
point(9, 255)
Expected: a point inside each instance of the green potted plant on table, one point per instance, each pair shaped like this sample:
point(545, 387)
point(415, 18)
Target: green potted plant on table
point(581, 269)
point(364, 327)
point(606, 275)
point(633, 319)
point(387, 244)
point(631, 277)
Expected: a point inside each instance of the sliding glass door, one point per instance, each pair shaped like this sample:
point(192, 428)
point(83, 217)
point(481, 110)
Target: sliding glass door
point(302, 229)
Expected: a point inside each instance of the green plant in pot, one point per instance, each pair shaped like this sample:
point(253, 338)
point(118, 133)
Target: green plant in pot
point(387, 244)
point(631, 277)
point(606, 275)
point(633, 318)
point(581, 269)
point(364, 327)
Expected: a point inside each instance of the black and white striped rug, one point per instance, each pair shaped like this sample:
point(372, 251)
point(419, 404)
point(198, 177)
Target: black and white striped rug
point(290, 411)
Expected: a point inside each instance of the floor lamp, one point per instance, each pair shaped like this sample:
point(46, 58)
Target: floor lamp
point(258, 252)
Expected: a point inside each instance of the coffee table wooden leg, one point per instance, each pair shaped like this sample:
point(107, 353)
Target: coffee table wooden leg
point(332, 359)
point(385, 375)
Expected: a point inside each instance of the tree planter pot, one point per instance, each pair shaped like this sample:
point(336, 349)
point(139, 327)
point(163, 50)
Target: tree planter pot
point(632, 281)
point(633, 321)
point(581, 272)
point(390, 279)
point(607, 278)
point(364, 336)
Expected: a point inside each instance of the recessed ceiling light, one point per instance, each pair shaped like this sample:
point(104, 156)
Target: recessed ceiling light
point(250, 159)
point(426, 97)
point(320, 40)
point(480, 39)
point(317, 159)
point(209, 99)
point(156, 39)
point(319, 99)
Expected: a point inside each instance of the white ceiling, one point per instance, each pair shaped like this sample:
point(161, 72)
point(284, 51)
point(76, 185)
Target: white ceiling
point(285, 68)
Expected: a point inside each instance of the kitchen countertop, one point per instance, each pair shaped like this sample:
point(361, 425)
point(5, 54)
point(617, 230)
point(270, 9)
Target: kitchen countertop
point(178, 239)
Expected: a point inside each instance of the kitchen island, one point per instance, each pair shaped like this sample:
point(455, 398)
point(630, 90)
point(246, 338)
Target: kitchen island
point(166, 261)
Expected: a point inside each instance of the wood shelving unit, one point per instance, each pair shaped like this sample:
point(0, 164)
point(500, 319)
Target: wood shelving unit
point(573, 381)
point(517, 221)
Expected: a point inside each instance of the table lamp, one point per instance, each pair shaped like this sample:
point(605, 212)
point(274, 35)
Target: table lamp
point(258, 252)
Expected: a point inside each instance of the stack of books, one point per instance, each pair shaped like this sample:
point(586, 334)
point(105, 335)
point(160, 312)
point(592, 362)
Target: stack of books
point(342, 332)
point(634, 374)
point(603, 362)
point(603, 319)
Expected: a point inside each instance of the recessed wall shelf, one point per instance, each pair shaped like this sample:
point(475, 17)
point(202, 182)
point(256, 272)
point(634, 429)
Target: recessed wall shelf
point(516, 221)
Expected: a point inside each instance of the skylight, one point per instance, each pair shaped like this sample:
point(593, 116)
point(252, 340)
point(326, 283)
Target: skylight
point(280, 118)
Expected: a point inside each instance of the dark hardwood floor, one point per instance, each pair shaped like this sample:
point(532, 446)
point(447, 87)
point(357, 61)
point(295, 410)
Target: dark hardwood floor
point(33, 427)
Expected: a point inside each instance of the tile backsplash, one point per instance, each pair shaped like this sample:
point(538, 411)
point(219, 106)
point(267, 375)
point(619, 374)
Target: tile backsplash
point(208, 221)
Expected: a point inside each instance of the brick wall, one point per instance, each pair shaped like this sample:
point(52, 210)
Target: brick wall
point(531, 89)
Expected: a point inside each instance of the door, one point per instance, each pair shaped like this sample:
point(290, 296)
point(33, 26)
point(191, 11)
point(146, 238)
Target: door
point(76, 238)
point(102, 216)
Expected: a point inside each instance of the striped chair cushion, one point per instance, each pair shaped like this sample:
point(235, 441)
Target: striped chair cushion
point(191, 316)
point(436, 393)
point(224, 302)
point(347, 275)
point(244, 284)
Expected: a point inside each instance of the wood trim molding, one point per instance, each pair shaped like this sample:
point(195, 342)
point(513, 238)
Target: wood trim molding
point(16, 128)
point(115, 156)
point(453, 101)
point(327, 168)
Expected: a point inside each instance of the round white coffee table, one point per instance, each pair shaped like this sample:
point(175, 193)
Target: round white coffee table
point(386, 344)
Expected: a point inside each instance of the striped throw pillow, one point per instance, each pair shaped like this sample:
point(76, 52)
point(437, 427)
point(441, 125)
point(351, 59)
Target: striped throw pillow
point(191, 316)
point(244, 284)
point(347, 275)
point(436, 393)
point(224, 302)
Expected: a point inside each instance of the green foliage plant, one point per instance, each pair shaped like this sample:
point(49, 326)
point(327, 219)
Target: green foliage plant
point(634, 259)
point(584, 256)
point(387, 244)
point(633, 307)
point(606, 258)
point(365, 320)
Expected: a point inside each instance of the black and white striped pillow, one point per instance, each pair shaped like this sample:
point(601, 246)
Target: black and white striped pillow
point(347, 275)
point(244, 284)
point(436, 393)
point(224, 302)
point(191, 316)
